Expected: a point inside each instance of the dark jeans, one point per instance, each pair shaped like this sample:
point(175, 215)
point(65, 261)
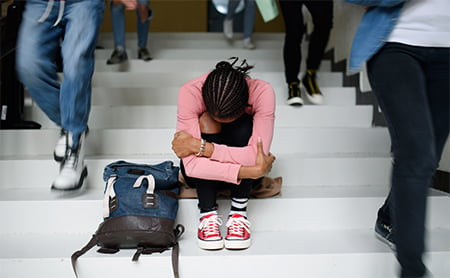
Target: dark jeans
point(412, 88)
point(234, 134)
point(322, 16)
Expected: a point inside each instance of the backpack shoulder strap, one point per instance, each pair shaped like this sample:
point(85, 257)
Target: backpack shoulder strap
point(80, 252)
point(178, 231)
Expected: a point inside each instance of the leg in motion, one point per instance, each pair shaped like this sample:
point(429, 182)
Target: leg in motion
point(413, 145)
point(143, 16)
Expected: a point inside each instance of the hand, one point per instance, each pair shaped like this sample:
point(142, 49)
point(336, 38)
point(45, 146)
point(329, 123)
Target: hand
point(263, 162)
point(182, 144)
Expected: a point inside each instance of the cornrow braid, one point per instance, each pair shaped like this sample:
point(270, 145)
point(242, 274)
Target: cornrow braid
point(225, 91)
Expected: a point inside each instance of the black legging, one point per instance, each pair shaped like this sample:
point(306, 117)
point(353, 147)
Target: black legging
point(234, 134)
point(322, 15)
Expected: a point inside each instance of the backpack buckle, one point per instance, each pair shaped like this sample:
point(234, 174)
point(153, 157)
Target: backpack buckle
point(150, 200)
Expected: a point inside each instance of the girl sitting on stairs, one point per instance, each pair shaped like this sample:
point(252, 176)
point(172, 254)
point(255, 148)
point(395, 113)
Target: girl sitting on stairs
point(225, 123)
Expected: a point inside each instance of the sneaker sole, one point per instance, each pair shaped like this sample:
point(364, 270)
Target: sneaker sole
point(210, 244)
point(317, 100)
point(385, 241)
point(58, 158)
point(84, 174)
point(295, 101)
point(145, 59)
point(116, 63)
point(238, 244)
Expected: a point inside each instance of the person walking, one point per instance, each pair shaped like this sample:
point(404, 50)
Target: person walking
point(322, 16)
point(406, 47)
point(249, 22)
point(143, 16)
point(70, 27)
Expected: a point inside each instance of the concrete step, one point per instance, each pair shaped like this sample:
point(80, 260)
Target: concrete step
point(164, 116)
point(176, 60)
point(335, 169)
point(296, 170)
point(142, 79)
point(196, 40)
point(287, 140)
point(316, 253)
point(315, 208)
point(163, 95)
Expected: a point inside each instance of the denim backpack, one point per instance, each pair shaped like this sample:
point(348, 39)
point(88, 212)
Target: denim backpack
point(139, 210)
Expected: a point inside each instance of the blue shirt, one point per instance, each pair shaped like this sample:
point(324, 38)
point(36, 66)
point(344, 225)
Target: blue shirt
point(373, 31)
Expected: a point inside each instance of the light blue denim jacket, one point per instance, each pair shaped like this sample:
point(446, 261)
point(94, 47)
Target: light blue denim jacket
point(373, 31)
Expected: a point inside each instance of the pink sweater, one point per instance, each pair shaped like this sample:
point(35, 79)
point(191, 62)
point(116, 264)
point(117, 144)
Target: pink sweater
point(224, 163)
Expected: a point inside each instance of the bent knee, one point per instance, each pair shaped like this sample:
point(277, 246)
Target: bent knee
point(208, 125)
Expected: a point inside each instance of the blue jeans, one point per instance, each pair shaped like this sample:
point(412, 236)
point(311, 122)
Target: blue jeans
point(412, 88)
point(249, 15)
point(118, 24)
point(67, 103)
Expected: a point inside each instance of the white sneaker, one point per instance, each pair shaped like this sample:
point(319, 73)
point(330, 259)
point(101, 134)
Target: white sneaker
point(228, 29)
point(72, 171)
point(61, 146)
point(248, 44)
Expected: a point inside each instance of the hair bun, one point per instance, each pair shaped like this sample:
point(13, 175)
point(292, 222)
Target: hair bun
point(223, 64)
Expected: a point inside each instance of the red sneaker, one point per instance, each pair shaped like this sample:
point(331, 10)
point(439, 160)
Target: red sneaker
point(238, 232)
point(209, 237)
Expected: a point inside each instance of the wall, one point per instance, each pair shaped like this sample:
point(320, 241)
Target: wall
point(184, 16)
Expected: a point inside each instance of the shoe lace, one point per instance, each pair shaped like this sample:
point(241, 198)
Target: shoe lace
point(387, 227)
point(71, 160)
point(237, 225)
point(210, 225)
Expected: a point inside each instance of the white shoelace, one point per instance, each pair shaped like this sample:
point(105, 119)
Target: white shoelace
point(387, 227)
point(237, 225)
point(210, 225)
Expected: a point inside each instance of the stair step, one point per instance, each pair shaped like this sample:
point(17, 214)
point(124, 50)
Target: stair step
point(305, 209)
point(142, 79)
point(206, 41)
point(157, 141)
point(178, 60)
point(154, 95)
point(335, 168)
point(333, 253)
point(296, 170)
point(164, 116)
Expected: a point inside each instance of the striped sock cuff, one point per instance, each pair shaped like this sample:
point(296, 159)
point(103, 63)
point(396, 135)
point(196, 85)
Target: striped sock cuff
point(239, 204)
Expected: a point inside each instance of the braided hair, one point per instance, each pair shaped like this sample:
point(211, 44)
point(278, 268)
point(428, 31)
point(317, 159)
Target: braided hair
point(225, 91)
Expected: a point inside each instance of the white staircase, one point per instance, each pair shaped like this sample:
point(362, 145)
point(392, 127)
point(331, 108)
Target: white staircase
point(335, 168)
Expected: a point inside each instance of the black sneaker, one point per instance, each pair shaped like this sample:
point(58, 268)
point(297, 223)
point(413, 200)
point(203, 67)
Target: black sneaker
point(385, 233)
point(294, 98)
point(143, 54)
point(312, 91)
point(117, 57)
